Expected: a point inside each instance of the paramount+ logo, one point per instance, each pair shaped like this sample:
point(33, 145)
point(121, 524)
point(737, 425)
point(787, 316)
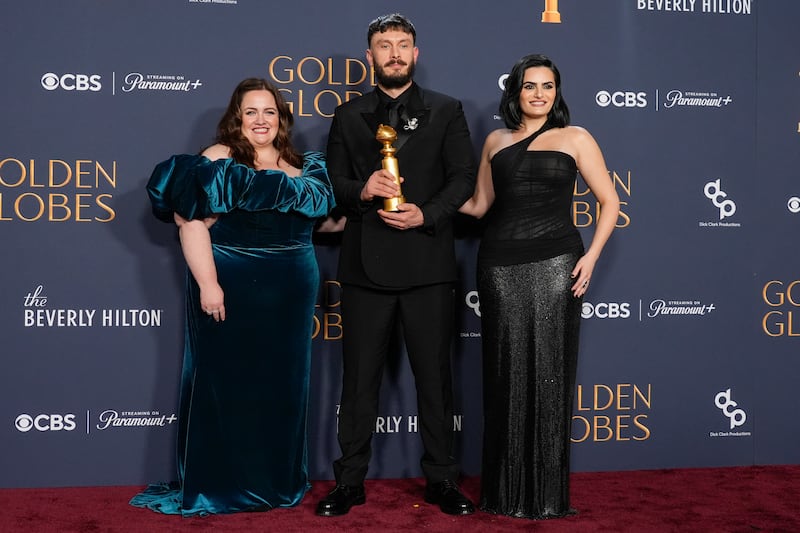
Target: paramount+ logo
point(45, 422)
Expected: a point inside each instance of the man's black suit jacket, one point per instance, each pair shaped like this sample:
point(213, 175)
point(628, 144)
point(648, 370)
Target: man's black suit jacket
point(437, 162)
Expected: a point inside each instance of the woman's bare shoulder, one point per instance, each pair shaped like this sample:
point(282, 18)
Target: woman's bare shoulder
point(578, 134)
point(497, 140)
point(217, 151)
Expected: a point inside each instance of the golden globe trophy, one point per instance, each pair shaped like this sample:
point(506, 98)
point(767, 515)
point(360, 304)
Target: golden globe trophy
point(386, 135)
point(550, 13)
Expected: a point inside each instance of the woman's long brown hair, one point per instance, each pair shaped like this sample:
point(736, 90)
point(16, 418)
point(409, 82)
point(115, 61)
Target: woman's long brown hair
point(229, 129)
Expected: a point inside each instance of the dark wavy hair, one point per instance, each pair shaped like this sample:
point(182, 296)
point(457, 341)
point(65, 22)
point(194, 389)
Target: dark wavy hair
point(394, 21)
point(558, 116)
point(229, 129)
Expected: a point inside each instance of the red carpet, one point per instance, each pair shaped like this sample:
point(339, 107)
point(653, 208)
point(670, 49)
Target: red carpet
point(740, 499)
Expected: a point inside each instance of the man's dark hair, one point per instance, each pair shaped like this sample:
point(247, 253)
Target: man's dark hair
point(394, 21)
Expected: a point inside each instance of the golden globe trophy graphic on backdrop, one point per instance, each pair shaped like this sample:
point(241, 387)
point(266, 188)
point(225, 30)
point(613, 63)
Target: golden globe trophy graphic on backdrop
point(386, 135)
point(550, 13)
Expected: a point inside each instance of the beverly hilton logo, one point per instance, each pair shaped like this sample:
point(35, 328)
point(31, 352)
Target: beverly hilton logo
point(37, 314)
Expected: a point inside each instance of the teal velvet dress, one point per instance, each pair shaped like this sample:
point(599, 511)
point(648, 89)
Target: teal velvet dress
point(244, 384)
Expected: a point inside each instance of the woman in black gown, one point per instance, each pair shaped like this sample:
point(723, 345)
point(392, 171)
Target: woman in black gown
point(532, 275)
point(246, 208)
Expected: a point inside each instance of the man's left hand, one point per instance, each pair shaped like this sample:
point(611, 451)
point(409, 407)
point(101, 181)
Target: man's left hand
point(406, 217)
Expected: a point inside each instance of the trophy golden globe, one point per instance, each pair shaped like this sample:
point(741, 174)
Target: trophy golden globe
point(387, 136)
point(550, 13)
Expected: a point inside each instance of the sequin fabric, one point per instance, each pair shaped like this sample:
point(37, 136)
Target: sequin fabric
point(530, 326)
point(530, 321)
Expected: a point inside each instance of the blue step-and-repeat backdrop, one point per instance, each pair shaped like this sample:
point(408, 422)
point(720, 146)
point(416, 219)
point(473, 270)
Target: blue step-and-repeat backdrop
point(689, 354)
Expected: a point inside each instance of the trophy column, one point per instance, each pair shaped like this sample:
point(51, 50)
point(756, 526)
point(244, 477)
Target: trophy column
point(386, 135)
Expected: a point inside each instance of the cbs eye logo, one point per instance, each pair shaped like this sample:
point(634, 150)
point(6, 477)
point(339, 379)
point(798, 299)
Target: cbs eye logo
point(621, 99)
point(606, 310)
point(52, 422)
point(71, 82)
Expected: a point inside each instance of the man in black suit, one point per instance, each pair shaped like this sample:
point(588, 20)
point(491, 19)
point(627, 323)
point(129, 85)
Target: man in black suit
point(398, 266)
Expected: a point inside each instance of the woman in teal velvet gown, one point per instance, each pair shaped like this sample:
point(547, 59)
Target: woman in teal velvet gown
point(246, 208)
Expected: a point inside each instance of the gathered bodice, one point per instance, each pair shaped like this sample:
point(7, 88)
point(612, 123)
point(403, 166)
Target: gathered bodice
point(195, 187)
point(262, 229)
point(531, 218)
point(533, 197)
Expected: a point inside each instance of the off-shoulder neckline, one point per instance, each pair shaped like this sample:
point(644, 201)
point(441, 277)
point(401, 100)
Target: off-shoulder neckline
point(308, 160)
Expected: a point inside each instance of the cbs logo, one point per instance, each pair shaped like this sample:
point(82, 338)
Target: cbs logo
point(621, 99)
point(72, 82)
point(606, 310)
point(53, 422)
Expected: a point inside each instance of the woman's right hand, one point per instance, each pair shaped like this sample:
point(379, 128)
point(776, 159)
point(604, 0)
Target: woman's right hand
point(199, 255)
point(212, 301)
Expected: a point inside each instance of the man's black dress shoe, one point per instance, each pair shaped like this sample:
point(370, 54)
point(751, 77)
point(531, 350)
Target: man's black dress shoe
point(448, 497)
point(340, 500)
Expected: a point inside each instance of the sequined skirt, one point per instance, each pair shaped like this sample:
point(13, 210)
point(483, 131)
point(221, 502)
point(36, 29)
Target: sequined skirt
point(530, 327)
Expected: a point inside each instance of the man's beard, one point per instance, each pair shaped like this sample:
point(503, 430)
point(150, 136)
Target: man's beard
point(395, 81)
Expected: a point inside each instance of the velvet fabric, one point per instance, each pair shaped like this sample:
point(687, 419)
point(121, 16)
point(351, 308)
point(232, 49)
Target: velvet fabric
point(244, 385)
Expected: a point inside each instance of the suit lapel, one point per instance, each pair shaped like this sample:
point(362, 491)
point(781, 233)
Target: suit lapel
point(414, 117)
point(371, 116)
point(370, 112)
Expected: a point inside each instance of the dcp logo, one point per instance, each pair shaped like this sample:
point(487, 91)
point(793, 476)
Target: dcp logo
point(713, 191)
point(501, 82)
point(72, 82)
point(723, 401)
point(25, 422)
point(473, 302)
point(621, 99)
point(606, 310)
